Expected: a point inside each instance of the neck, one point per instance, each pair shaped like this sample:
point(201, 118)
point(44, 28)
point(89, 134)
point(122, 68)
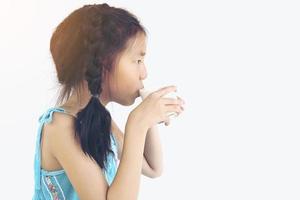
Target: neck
point(74, 104)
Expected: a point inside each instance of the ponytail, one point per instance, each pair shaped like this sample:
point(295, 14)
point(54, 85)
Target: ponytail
point(93, 123)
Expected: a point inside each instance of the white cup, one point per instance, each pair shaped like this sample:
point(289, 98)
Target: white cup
point(145, 92)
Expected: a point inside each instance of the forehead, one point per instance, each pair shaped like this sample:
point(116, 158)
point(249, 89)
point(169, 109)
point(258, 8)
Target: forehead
point(134, 48)
point(136, 45)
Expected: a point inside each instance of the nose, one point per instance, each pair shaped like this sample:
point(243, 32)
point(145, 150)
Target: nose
point(143, 74)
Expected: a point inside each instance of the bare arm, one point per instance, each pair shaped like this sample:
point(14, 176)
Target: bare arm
point(152, 159)
point(153, 151)
point(127, 180)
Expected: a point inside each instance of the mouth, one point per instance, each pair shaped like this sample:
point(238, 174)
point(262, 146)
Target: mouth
point(138, 94)
point(139, 91)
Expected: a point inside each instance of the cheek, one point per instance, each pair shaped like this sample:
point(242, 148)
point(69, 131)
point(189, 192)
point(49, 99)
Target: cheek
point(126, 78)
point(130, 77)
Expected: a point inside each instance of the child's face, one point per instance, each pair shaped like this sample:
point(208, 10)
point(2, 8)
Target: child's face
point(130, 71)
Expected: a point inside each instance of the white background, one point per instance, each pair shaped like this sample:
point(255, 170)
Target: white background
point(236, 65)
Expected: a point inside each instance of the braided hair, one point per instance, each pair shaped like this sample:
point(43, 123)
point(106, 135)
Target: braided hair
point(83, 45)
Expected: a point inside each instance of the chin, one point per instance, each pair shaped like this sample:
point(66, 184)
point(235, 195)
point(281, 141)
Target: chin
point(127, 103)
point(131, 103)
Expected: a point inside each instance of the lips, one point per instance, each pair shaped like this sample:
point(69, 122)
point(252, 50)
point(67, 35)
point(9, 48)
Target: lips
point(144, 93)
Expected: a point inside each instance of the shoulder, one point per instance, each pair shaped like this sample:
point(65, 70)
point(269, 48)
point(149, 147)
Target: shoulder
point(61, 125)
point(63, 119)
point(60, 131)
point(60, 120)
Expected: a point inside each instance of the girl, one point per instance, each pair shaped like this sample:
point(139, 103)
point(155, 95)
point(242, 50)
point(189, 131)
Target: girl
point(98, 53)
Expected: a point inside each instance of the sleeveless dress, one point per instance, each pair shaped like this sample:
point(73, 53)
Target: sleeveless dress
point(55, 185)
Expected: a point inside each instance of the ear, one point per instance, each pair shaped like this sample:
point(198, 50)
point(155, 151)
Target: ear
point(104, 74)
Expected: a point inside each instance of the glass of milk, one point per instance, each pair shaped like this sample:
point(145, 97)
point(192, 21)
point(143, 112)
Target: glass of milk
point(144, 92)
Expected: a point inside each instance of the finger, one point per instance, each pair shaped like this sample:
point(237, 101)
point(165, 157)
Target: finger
point(181, 99)
point(173, 114)
point(165, 90)
point(182, 108)
point(172, 101)
point(174, 108)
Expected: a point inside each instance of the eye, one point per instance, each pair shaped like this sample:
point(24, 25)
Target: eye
point(139, 61)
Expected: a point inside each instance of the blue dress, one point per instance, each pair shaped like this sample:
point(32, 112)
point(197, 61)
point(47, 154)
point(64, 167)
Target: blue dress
point(56, 185)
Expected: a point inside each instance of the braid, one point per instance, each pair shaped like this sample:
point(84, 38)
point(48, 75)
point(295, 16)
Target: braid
point(93, 124)
point(93, 77)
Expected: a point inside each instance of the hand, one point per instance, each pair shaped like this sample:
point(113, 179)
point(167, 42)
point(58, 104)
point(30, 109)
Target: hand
point(167, 123)
point(155, 108)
